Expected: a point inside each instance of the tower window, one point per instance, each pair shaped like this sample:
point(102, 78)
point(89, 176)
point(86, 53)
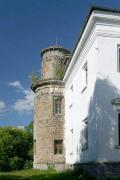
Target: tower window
point(58, 146)
point(57, 105)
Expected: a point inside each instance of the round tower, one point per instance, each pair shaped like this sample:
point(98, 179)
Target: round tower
point(54, 58)
point(49, 110)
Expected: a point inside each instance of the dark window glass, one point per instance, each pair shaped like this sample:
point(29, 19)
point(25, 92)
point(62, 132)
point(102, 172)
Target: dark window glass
point(58, 146)
point(85, 135)
point(57, 105)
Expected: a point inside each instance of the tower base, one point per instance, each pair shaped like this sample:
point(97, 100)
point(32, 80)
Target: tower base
point(56, 166)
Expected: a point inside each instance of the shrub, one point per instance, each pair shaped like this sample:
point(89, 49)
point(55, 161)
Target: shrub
point(15, 148)
point(16, 163)
point(28, 164)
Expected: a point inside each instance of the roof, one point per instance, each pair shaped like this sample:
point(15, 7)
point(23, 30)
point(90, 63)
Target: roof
point(92, 8)
point(55, 47)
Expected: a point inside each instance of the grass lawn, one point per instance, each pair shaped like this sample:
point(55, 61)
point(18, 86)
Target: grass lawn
point(36, 175)
point(44, 175)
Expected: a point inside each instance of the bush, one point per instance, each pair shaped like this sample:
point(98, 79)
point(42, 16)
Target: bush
point(15, 148)
point(16, 163)
point(4, 164)
point(28, 164)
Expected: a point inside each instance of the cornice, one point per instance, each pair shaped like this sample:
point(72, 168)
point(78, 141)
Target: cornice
point(91, 32)
point(46, 82)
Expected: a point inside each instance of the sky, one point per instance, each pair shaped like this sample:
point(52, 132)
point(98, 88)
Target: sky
point(27, 27)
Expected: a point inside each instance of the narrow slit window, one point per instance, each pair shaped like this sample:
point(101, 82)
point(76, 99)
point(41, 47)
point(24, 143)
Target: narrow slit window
point(57, 105)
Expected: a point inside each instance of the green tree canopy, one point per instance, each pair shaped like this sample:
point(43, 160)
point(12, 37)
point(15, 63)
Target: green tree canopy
point(15, 145)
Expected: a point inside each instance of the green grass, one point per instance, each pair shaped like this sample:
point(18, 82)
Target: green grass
point(36, 175)
point(45, 175)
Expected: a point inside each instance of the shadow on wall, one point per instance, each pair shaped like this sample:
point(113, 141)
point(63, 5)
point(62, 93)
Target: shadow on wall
point(102, 123)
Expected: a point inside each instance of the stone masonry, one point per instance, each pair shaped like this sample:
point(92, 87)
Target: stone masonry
point(49, 126)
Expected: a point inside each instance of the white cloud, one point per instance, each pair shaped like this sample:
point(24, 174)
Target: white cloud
point(25, 104)
point(2, 107)
point(16, 84)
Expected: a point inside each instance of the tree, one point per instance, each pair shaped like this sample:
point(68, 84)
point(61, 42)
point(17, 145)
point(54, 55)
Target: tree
point(15, 145)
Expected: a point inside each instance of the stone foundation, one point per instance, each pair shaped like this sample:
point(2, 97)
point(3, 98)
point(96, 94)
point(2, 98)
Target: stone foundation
point(99, 170)
point(40, 166)
point(56, 166)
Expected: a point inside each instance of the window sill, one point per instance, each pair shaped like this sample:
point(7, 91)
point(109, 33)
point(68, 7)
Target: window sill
point(58, 115)
point(84, 89)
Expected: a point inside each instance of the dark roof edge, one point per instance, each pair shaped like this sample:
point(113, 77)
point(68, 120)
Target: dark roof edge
point(90, 10)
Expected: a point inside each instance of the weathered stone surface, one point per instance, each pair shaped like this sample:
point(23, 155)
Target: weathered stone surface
point(51, 58)
point(47, 125)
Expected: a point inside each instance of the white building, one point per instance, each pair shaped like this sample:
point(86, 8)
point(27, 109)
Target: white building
point(92, 84)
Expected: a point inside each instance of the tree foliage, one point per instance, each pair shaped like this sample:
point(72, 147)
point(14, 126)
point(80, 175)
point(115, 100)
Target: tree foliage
point(15, 147)
point(34, 76)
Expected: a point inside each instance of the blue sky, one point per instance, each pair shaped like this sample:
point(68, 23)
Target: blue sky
point(27, 27)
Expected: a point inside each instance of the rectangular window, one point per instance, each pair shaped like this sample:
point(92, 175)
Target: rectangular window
point(118, 58)
point(84, 76)
point(119, 129)
point(85, 135)
point(57, 105)
point(58, 146)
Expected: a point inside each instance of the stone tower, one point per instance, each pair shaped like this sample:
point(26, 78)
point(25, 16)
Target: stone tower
point(49, 110)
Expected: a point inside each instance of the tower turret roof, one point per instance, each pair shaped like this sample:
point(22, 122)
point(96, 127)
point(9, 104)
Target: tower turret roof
point(55, 47)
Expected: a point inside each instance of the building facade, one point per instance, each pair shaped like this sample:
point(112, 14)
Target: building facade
point(87, 128)
point(92, 91)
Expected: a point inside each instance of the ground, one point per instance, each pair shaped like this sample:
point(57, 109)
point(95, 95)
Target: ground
point(44, 175)
point(36, 175)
